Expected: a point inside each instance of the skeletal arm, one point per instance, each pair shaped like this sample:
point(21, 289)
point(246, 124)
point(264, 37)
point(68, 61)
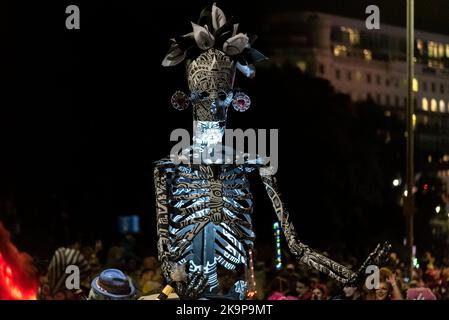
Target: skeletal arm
point(162, 216)
point(303, 253)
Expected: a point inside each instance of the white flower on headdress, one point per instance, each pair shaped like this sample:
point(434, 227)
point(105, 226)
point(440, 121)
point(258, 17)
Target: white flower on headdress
point(218, 17)
point(174, 57)
point(219, 33)
point(203, 38)
point(236, 44)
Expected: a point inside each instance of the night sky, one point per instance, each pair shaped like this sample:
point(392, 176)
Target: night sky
point(85, 112)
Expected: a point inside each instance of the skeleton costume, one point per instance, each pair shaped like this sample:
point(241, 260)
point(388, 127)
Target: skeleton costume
point(204, 208)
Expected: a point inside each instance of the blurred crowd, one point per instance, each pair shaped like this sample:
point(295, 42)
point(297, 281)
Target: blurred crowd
point(293, 282)
point(429, 281)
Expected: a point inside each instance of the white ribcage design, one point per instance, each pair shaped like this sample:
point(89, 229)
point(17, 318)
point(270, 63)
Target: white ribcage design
point(210, 218)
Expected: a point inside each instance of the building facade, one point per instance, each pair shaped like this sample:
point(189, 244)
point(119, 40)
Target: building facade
point(371, 64)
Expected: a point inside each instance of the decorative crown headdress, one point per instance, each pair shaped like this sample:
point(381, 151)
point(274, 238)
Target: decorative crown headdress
point(213, 30)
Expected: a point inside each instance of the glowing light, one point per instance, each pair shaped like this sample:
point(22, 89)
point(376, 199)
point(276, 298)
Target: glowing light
point(415, 85)
point(396, 182)
point(425, 104)
point(251, 293)
point(415, 263)
point(340, 50)
point(405, 193)
point(442, 106)
point(438, 209)
point(420, 46)
point(368, 55)
point(354, 35)
point(426, 187)
point(302, 65)
point(433, 105)
point(277, 237)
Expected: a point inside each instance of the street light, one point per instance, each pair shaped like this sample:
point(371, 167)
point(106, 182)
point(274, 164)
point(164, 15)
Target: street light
point(409, 206)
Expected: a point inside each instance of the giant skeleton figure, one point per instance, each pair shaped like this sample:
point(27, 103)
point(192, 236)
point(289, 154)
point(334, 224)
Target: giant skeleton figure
point(204, 209)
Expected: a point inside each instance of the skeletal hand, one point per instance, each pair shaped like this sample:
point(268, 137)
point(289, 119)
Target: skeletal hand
point(378, 257)
point(192, 288)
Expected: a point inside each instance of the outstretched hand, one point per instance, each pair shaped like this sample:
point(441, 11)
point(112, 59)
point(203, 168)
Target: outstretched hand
point(379, 256)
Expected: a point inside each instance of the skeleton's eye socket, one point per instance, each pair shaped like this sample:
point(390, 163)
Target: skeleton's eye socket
point(204, 94)
point(222, 95)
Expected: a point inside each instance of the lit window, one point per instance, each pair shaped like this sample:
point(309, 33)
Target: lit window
point(440, 50)
point(433, 105)
point(433, 49)
point(447, 51)
point(415, 85)
point(302, 65)
point(358, 75)
point(420, 46)
point(442, 106)
point(367, 54)
point(354, 35)
point(340, 50)
point(430, 46)
point(414, 120)
point(425, 104)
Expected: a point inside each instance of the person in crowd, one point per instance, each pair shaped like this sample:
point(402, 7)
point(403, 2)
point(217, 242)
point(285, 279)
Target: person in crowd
point(147, 282)
point(388, 287)
point(394, 262)
point(303, 289)
point(57, 274)
point(352, 293)
point(152, 264)
point(319, 292)
point(279, 289)
point(427, 262)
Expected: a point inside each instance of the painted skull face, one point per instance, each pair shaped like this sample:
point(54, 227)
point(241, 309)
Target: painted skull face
point(211, 79)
